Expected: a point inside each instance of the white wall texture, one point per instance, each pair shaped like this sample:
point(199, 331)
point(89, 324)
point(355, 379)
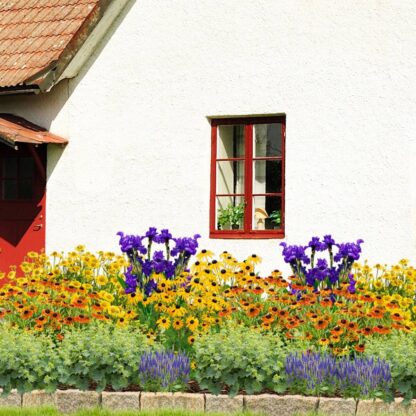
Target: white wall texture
point(139, 154)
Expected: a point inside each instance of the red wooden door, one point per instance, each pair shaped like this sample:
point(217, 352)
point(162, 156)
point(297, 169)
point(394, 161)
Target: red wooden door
point(22, 202)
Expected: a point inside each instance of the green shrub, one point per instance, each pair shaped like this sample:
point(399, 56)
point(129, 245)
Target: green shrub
point(26, 362)
point(101, 355)
point(399, 349)
point(238, 358)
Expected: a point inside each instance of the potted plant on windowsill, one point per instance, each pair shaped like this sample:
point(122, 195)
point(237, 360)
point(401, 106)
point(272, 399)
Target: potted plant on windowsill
point(276, 218)
point(231, 217)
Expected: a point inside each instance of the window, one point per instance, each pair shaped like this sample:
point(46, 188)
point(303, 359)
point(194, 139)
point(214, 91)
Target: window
point(16, 175)
point(247, 177)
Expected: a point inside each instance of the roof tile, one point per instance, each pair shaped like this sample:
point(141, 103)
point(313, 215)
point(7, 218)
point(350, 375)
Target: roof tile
point(34, 33)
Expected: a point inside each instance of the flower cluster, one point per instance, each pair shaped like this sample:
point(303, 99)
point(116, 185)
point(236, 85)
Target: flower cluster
point(315, 373)
point(170, 261)
point(48, 293)
point(164, 371)
point(323, 274)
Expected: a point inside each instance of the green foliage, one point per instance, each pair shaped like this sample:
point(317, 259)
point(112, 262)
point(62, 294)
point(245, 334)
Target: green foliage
point(399, 349)
point(102, 355)
point(26, 362)
point(238, 358)
point(231, 215)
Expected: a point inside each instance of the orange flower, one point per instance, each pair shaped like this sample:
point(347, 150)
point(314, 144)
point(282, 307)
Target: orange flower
point(321, 324)
point(268, 318)
point(257, 290)
point(253, 311)
point(274, 310)
point(99, 315)
point(380, 329)
point(352, 326)
point(335, 339)
point(26, 314)
point(325, 302)
point(359, 347)
point(41, 320)
point(323, 341)
point(337, 330)
point(82, 319)
point(376, 313)
point(396, 317)
point(366, 331)
point(60, 337)
point(266, 325)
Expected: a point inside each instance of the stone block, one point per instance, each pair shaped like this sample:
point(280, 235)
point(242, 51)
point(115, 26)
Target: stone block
point(223, 403)
point(13, 399)
point(371, 407)
point(186, 401)
point(120, 401)
point(336, 406)
point(270, 404)
point(38, 398)
point(68, 401)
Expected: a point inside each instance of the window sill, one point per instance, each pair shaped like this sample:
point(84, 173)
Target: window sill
point(253, 235)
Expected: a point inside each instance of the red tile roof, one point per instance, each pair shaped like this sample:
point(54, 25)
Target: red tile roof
point(36, 34)
point(15, 129)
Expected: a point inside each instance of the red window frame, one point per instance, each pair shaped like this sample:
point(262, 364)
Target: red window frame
point(248, 232)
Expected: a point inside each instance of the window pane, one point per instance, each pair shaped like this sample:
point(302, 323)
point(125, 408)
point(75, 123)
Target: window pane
point(230, 213)
point(26, 167)
point(10, 167)
point(230, 141)
point(25, 189)
point(10, 189)
point(267, 140)
point(267, 176)
point(267, 212)
point(230, 177)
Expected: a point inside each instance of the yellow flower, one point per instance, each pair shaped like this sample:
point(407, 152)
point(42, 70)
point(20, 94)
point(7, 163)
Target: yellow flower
point(75, 283)
point(163, 322)
point(177, 311)
point(192, 323)
point(105, 295)
point(177, 324)
point(204, 255)
point(254, 259)
point(102, 280)
point(114, 310)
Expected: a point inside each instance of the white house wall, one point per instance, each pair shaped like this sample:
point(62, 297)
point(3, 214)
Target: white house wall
point(139, 153)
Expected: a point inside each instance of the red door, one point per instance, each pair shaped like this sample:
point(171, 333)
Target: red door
point(22, 202)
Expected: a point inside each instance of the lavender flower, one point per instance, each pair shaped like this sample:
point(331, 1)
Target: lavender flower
point(313, 372)
point(164, 371)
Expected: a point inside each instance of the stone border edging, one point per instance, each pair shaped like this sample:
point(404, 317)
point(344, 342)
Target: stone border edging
point(68, 401)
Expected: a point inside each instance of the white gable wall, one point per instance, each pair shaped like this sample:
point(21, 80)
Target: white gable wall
point(139, 152)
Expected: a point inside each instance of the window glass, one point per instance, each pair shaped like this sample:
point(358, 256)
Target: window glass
point(267, 176)
point(10, 189)
point(231, 142)
point(230, 212)
point(267, 212)
point(267, 140)
point(230, 177)
point(10, 167)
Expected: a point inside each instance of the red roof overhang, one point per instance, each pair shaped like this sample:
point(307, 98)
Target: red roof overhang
point(15, 129)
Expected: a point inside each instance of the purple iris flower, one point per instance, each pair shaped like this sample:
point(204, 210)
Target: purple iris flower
point(138, 274)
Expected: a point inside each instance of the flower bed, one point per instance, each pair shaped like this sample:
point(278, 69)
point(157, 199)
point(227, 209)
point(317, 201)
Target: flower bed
point(156, 317)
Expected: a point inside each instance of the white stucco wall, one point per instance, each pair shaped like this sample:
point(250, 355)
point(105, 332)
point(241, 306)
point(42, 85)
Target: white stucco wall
point(139, 153)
